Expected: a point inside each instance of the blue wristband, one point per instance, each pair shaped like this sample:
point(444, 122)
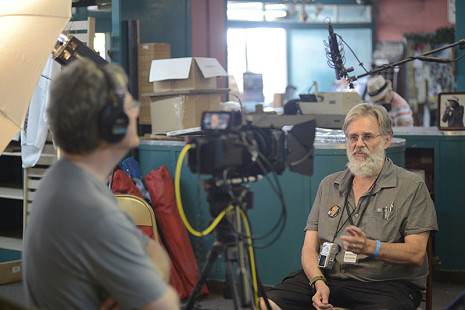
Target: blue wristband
point(378, 245)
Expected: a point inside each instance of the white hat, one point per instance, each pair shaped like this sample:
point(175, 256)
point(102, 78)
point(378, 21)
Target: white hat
point(453, 98)
point(377, 88)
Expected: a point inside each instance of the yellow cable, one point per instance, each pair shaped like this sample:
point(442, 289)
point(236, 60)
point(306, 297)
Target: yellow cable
point(177, 190)
point(252, 260)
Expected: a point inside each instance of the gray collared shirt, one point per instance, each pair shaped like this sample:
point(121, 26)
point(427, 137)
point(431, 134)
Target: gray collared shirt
point(400, 205)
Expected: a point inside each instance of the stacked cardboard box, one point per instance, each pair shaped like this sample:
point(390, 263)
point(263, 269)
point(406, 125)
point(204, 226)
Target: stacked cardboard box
point(181, 111)
point(182, 89)
point(10, 272)
point(146, 53)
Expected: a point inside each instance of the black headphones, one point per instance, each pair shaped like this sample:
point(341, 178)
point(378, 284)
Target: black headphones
point(114, 122)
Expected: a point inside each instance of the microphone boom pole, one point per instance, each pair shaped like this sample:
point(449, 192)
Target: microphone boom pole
point(422, 57)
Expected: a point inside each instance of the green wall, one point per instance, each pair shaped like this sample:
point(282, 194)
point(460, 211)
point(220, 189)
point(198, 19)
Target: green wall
point(161, 21)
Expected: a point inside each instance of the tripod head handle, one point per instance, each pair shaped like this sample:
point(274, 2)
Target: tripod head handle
point(238, 180)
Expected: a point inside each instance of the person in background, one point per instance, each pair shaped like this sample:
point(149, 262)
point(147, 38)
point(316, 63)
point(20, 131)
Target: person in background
point(367, 232)
point(289, 93)
point(81, 250)
point(453, 114)
point(380, 91)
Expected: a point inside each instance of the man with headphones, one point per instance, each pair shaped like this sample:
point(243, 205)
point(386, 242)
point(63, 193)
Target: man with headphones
point(81, 250)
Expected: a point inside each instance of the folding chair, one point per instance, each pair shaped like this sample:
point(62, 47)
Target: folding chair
point(139, 210)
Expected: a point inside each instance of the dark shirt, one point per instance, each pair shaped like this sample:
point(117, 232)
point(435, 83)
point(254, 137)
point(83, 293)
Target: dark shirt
point(454, 118)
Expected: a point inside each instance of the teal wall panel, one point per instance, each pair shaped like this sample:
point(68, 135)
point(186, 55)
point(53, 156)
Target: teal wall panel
point(450, 204)
point(162, 21)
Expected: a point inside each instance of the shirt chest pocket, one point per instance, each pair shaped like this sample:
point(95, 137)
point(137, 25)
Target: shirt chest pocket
point(386, 213)
point(382, 220)
point(383, 209)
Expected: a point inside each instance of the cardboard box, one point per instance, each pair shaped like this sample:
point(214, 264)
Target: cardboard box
point(147, 52)
point(186, 73)
point(182, 111)
point(278, 100)
point(10, 272)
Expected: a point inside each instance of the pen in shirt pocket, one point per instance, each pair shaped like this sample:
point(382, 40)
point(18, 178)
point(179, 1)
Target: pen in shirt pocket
point(387, 211)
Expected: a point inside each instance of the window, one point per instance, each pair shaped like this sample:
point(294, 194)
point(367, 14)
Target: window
point(284, 42)
point(297, 13)
point(259, 51)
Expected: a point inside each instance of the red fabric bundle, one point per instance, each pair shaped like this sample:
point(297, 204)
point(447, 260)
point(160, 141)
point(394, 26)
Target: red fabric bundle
point(121, 183)
point(161, 188)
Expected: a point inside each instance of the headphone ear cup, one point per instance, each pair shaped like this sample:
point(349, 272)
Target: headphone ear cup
point(113, 120)
point(113, 123)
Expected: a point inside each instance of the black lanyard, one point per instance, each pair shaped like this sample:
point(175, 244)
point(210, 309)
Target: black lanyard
point(349, 216)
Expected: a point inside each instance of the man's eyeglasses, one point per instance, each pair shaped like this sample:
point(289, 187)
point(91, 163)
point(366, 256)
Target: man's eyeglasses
point(366, 138)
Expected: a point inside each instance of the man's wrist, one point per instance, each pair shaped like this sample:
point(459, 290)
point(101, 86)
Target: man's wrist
point(317, 278)
point(378, 246)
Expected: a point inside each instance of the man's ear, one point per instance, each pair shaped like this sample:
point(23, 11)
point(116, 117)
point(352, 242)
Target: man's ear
point(387, 141)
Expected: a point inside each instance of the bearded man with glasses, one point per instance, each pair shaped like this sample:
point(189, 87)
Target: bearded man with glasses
point(367, 232)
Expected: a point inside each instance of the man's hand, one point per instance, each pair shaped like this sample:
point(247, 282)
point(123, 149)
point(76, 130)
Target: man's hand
point(356, 242)
point(410, 252)
point(311, 269)
point(448, 107)
point(109, 304)
point(321, 297)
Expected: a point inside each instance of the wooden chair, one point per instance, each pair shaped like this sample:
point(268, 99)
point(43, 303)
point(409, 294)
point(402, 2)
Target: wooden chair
point(139, 210)
point(429, 281)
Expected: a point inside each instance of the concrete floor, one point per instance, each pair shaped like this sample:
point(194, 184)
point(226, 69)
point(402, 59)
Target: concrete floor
point(443, 295)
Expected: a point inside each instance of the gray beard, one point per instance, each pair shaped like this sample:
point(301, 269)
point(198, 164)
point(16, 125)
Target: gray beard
point(369, 166)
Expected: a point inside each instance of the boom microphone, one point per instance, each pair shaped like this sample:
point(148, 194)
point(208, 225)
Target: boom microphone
point(335, 57)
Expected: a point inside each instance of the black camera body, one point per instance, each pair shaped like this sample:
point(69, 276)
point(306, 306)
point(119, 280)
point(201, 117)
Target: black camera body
point(257, 146)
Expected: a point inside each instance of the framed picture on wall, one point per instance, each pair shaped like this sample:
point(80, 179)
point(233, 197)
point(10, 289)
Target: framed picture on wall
point(450, 111)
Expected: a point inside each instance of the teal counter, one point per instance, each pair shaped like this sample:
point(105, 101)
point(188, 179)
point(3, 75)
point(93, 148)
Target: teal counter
point(442, 155)
point(283, 256)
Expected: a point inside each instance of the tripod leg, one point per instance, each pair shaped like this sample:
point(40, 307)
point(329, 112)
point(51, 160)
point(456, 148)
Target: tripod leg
point(211, 258)
point(243, 271)
point(232, 285)
point(242, 291)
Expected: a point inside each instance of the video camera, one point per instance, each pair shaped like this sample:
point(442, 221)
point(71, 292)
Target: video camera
point(259, 145)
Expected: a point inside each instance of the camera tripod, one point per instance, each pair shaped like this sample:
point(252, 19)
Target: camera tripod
point(230, 243)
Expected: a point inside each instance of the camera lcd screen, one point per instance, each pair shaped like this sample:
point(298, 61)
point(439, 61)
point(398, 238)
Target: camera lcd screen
point(321, 261)
point(220, 120)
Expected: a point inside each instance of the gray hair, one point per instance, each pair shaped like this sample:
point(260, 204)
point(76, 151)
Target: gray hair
point(77, 97)
point(369, 109)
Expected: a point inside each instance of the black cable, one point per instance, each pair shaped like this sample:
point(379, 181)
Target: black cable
point(436, 59)
point(267, 168)
point(280, 224)
point(239, 99)
point(359, 62)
